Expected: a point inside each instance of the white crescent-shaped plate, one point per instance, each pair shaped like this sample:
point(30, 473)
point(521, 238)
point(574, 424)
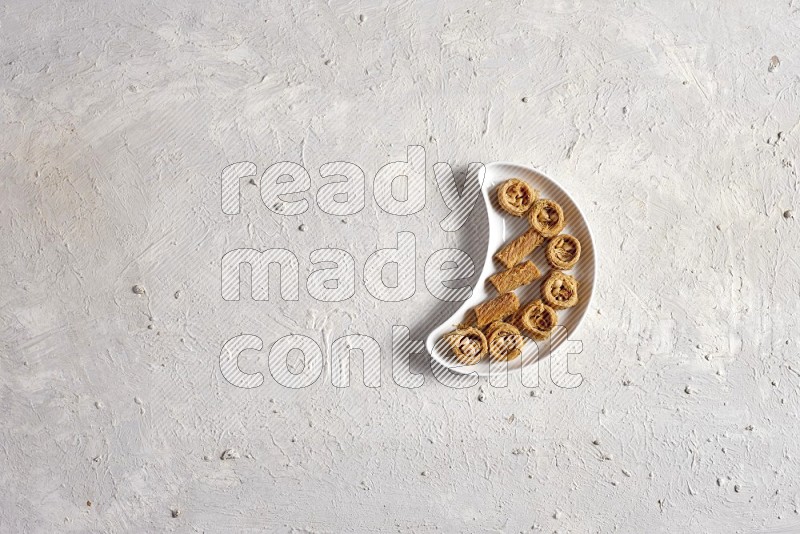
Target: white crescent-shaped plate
point(502, 228)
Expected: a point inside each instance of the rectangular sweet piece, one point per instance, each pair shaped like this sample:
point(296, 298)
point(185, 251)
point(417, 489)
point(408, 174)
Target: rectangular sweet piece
point(496, 309)
point(521, 246)
point(517, 276)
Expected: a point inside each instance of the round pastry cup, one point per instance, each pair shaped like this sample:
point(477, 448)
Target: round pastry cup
point(547, 290)
point(552, 255)
point(507, 203)
point(546, 230)
point(528, 314)
point(455, 337)
point(512, 349)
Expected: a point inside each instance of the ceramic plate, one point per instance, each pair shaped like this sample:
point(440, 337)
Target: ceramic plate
point(502, 228)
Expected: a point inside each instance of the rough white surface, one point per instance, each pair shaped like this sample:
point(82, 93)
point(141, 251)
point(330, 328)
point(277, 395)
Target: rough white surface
point(662, 119)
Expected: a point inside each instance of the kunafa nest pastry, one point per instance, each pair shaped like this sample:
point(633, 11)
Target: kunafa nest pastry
point(516, 197)
point(517, 276)
point(496, 309)
point(505, 341)
point(538, 319)
point(518, 248)
point(563, 251)
point(560, 290)
point(546, 217)
point(469, 345)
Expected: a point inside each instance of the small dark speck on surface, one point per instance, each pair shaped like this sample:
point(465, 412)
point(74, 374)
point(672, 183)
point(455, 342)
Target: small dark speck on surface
point(737, 488)
point(774, 63)
point(302, 227)
point(175, 512)
point(253, 181)
point(687, 390)
point(362, 18)
point(788, 214)
point(774, 141)
point(138, 289)
point(177, 294)
point(88, 503)
point(595, 441)
point(229, 454)
point(481, 396)
point(525, 99)
point(328, 61)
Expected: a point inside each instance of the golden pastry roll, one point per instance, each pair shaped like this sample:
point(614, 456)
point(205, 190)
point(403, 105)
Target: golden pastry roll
point(537, 319)
point(546, 217)
point(518, 248)
point(516, 197)
point(496, 309)
point(560, 290)
point(563, 252)
point(469, 345)
point(505, 341)
point(517, 276)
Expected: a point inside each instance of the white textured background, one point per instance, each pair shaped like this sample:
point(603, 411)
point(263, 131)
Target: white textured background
point(662, 119)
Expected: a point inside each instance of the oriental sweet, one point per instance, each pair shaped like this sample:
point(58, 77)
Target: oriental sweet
point(560, 290)
point(537, 319)
point(516, 197)
point(469, 345)
point(505, 341)
point(496, 309)
point(517, 276)
point(563, 251)
point(516, 250)
point(546, 217)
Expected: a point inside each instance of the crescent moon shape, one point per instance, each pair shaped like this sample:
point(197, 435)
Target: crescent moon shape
point(503, 228)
